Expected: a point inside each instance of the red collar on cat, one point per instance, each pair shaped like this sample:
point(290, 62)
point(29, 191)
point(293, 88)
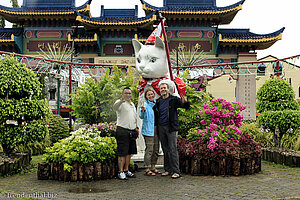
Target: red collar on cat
point(181, 87)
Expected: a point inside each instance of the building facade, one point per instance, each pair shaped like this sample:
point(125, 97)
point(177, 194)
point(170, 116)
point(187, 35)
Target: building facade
point(106, 39)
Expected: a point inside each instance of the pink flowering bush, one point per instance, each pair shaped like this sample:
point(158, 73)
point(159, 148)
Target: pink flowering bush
point(222, 120)
point(105, 129)
point(246, 147)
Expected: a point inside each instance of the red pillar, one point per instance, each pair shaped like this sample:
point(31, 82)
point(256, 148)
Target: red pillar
point(70, 101)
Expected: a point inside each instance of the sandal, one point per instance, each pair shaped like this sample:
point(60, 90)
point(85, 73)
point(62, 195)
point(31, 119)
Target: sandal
point(155, 171)
point(165, 174)
point(149, 173)
point(175, 176)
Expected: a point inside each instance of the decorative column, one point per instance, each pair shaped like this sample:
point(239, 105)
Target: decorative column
point(246, 84)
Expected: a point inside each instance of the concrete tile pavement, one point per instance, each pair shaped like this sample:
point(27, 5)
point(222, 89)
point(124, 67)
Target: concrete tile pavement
point(272, 183)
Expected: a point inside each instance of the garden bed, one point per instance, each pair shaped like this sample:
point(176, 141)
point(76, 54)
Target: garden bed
point(13, 164)
point(79, 171)
point(223, 167)
point(83, 156)
point(218, 146)
point(281, 156)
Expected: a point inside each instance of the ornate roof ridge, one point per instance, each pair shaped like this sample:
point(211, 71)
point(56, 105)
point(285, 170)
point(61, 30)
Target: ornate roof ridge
point(147, 6)
point(117, 20)
point(113, 12)
point(227, 35)
point(22, 10)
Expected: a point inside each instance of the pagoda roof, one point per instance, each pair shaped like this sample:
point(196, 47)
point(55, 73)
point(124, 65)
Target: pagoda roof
point(113, 13)
point(196, 9)
point(244, 36)
point(8, 34)
point(118, 18)
point(43, 9)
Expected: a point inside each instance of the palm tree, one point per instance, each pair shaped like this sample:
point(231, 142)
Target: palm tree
point(188, 57)
point(55, 52)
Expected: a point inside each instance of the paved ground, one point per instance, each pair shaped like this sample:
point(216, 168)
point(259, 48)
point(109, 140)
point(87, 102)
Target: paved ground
point(272, 183)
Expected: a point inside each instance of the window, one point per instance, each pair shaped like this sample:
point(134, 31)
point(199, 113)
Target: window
point(52, 94)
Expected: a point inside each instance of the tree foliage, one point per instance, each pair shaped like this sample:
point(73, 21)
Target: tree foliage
point(23, 109)
point(14, 3)
point(189, 119)
point(278, 111)
point(93, 102)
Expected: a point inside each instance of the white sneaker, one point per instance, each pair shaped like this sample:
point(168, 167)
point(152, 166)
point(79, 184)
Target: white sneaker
point(129, 174)
point(122, 176)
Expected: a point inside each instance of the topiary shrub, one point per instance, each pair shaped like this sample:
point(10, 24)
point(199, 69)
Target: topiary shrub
point(36, 148)
point(58, 128)
point(23, 109)
point(279, 112)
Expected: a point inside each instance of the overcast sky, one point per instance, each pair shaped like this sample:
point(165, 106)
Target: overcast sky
point(260, 16)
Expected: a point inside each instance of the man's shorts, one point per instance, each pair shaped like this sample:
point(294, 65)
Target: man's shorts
point(125, 144)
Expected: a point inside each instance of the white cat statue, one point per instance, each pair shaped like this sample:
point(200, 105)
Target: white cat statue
point(152, 65)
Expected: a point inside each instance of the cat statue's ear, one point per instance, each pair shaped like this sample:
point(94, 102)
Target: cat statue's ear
point(136, 45)
point(159, 42)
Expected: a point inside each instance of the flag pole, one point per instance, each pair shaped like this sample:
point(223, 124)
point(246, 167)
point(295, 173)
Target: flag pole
point(162, 21)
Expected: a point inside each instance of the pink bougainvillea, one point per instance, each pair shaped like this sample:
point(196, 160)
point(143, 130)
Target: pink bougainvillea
point(107, 129)
point(222, 120)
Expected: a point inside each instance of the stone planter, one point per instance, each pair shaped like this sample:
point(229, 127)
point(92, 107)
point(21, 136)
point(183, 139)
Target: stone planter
point(79, 172)
point(15, 162)
point(223, 167)
point(282, 156)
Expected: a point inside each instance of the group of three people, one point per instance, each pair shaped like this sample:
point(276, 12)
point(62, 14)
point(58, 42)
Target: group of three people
point(160, 123)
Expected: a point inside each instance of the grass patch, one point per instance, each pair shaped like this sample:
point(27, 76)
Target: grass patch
point(276, 165)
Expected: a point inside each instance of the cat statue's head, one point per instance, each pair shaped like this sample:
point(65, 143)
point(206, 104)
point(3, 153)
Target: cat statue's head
point(151, 60)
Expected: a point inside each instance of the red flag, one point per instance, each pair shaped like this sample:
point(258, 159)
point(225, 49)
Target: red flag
point(161, 32)
point(157, 32)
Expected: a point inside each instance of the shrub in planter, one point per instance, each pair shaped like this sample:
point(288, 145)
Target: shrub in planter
point(83, 146)
point(58, 128)
point(225, 159)
point(82, 156)
point(222, 120)
point(220, 146)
